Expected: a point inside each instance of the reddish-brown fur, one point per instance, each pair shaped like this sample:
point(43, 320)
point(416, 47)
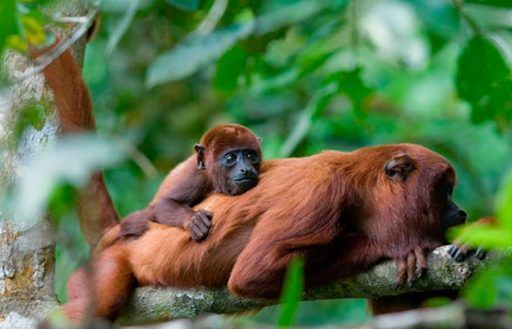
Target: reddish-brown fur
point(335, 209)
point(74, 107)
point(347, 216)
point(459, 251)
point(189, 183)
point(184, 186)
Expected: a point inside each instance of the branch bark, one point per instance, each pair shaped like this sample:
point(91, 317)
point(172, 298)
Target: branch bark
point(150, 304)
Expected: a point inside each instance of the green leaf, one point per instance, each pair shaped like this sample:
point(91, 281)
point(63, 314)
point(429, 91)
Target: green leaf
point(33, 115)
point(230, 68)
point(484, 80)
point(291, 13)
point(441, 16)
point(492, 285)
point(194, 54)
point(8, 27)
point(188, 5)
point(33, 29)
point(71, 160)
point(313, 109)
point(495, 3)
point(504, 205)
point(356, 89)
point(482, 291)
point(495, 237)
point(292, 293)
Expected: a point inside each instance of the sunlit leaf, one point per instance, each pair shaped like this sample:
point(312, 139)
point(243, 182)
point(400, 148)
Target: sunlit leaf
point(394, 29)
point(16, 42)
point(71, 160)
point(504, 204)
point(194, 54)
point(484, 80)
point(292, 293)
point(34, 30)
point(489, 237)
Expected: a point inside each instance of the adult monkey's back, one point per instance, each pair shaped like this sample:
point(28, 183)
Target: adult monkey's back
point(342, 212)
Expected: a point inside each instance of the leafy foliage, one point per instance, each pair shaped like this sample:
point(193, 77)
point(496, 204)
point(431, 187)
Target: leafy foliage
point(484, 79)
point(66, 162)
point(195, 54)
point(9, 24)
point(494, 285)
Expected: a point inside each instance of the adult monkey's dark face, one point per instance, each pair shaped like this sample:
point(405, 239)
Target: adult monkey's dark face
point(242, 168)
point(452, 214)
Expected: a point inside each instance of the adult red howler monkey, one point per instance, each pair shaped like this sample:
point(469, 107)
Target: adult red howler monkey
point(342, 212)
point(226, 160)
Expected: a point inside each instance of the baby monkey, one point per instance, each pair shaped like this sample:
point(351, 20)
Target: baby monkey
point(226, 160)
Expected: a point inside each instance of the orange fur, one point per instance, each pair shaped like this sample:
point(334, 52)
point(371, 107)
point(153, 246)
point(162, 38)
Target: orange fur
point(342, 221)
point(338, 210)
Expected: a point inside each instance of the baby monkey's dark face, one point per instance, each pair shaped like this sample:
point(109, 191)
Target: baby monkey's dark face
point(242, 168)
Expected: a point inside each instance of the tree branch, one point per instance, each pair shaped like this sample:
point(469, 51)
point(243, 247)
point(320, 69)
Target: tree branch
point(150, 304)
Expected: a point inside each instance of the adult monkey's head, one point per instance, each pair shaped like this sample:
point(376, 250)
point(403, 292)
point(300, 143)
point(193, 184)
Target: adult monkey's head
point(413, 184)
point(231, 155)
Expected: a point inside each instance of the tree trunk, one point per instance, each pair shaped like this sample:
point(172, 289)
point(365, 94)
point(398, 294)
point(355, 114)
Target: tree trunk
point(26, 244)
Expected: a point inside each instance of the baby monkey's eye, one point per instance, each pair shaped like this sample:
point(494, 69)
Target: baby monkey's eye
point(230, 158)
point(251, 156)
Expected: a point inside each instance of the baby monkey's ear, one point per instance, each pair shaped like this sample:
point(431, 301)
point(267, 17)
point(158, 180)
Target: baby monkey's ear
point(399, 167)
point(200, 151)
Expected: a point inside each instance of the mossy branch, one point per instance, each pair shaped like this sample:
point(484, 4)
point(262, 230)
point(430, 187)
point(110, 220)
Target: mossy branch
point(150, 304)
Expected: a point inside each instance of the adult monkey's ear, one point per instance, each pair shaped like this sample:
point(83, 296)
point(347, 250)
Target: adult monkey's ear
point(200, 152)
point(399, 167)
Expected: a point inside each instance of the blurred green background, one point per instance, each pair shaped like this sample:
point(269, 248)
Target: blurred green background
point(305, 76)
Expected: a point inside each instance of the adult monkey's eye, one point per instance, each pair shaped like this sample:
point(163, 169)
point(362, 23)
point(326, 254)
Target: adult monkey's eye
point(444, 190)
point(251, 156)
point(230, 158)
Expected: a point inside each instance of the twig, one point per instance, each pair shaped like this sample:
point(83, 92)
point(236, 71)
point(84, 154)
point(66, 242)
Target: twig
point(43, 61)
point(469, 20)
point(213, 17)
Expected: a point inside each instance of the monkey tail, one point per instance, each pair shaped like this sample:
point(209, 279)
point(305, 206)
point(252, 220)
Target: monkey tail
point(100, 288)
point(108, 239)
point(96, 210)
point(132, 226)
